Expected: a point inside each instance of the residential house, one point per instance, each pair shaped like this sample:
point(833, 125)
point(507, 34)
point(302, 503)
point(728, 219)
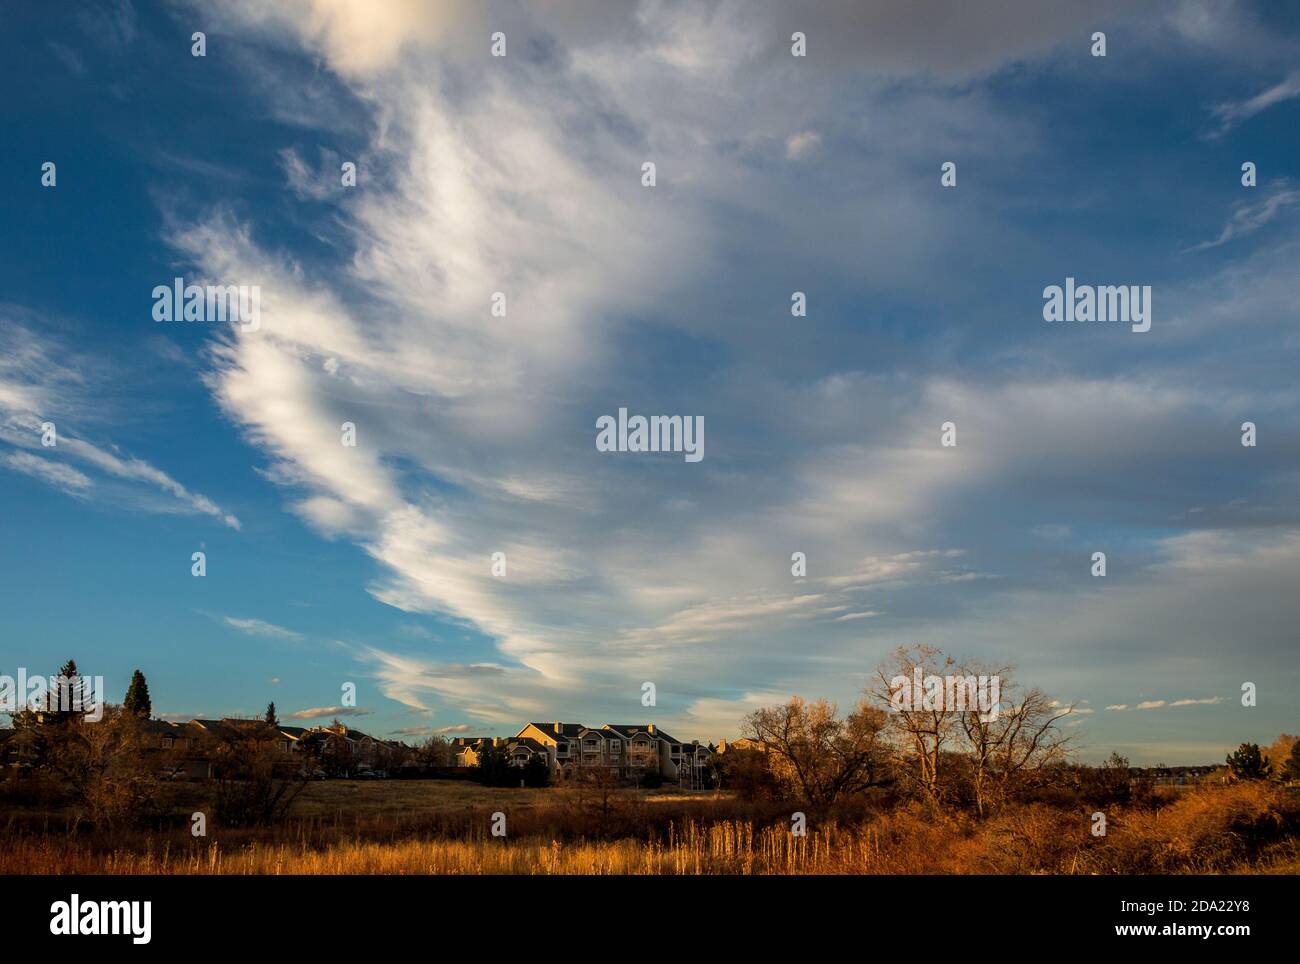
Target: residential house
point(630, 750)
point(520, 751)
point(466, 749)
point(20, 748)
point(744, 743)
point(559, 739)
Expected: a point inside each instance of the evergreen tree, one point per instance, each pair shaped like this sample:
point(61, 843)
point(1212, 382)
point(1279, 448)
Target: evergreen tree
point(1292, 769)
point(494, 766)
point(271, 719)
point(137, 702)
point(1248, 763)
point(536, 772)
point(65, 694)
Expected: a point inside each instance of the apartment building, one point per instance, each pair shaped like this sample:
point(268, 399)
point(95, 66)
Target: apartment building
point(191, 748)
point(629, 749)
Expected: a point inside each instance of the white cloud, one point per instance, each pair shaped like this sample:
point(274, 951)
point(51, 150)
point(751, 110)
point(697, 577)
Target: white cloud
point(1250, 216)
point(314, 185)
point(1231, 113)
point(138, 470)
point(42, 382)
point(259, 627)
point(866, 614)
point(802, 145)
point(57, 474)
point(320, 712)
point(355, 40)
point(475, 433)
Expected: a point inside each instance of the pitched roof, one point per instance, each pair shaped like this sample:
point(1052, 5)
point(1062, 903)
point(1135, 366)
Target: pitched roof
point(629, 730)
point(537, 746)
point(160, 727)
point(567, 730)
point(217, 728)
point(460, 742)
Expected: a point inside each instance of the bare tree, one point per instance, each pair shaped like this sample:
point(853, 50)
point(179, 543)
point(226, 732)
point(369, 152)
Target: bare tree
point(1019, 737)
point(596, 788)
point(952, 721)
point(253, 781)
point(921, 733)
point(814, 753)
point(436, 752)
point(106, 766)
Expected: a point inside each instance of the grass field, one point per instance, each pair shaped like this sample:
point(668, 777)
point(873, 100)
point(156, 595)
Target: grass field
point(442, 827)
point(396, 797)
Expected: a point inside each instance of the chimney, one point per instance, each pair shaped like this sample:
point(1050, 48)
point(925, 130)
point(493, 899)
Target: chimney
point(559, 728)
point(651, 727)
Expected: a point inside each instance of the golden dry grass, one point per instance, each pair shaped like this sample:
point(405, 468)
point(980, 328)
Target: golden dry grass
point(1249, 828)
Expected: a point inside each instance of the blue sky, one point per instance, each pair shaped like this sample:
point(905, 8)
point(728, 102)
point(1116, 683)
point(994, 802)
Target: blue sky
point(775, 174)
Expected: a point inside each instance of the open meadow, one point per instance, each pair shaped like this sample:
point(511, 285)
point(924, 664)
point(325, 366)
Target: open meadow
point(444, 827)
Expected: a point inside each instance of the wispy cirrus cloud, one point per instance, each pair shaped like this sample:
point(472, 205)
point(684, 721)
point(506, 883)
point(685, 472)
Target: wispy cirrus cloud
point(320, 712)
point(1250, 216)
point(43, 383)
point(1160, 704)
point(475, 436)
point(1231, 113)
point(259, 627)
point(61, 476)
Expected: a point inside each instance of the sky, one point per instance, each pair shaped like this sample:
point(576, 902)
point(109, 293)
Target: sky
point(371, 564)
